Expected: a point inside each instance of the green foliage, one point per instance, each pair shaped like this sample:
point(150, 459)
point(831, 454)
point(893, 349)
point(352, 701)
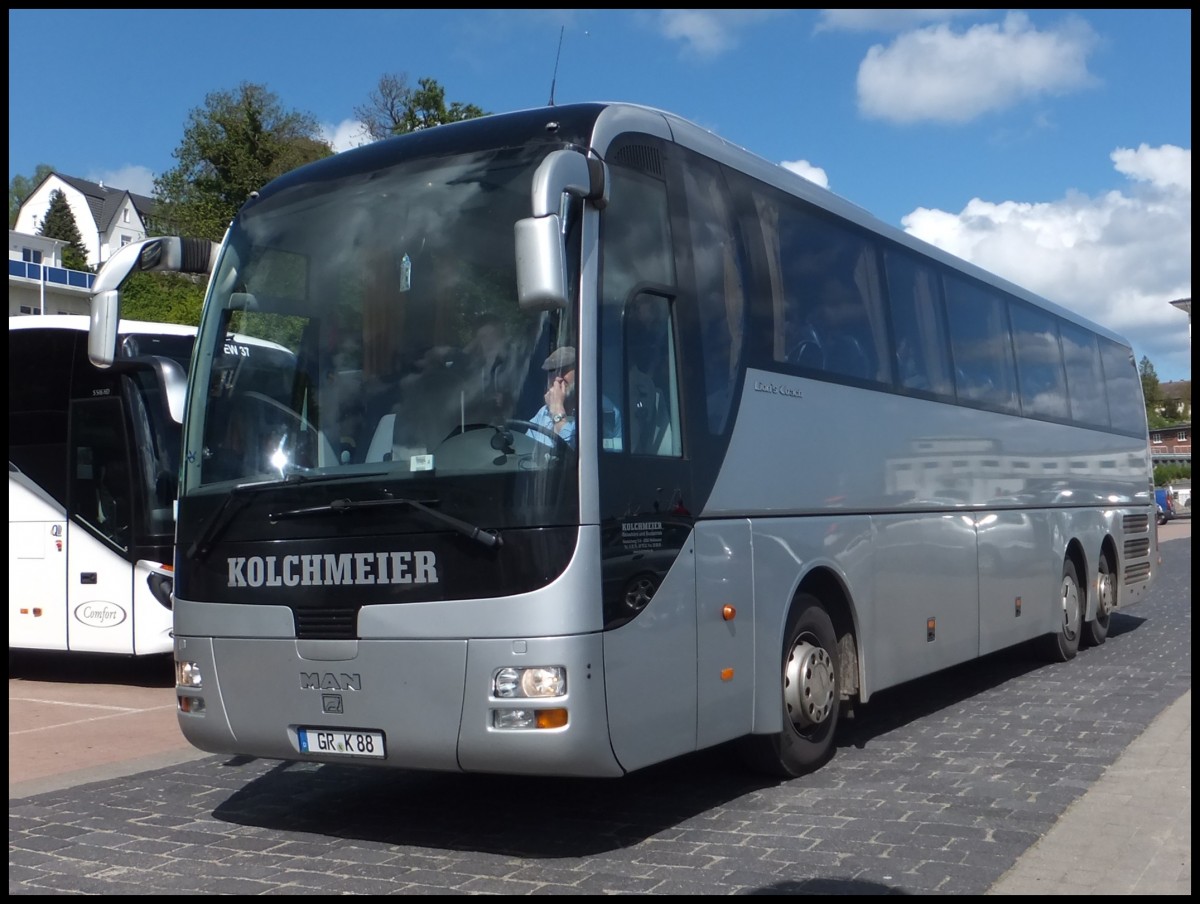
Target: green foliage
point(232, 146)
point(163, 298)
point(59, 223)
point(1172, 472)
point(1160, 410)
point(396, 109)
point(21, 188)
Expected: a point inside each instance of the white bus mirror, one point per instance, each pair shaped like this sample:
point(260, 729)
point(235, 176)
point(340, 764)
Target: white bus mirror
point(168, 253)
point(105, 316)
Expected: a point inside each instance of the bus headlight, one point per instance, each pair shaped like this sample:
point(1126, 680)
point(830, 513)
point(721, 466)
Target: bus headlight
point(535, 681)
point(187, 674)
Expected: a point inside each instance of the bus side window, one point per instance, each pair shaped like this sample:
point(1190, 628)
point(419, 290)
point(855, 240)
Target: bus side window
point(653, 394)
point(922, 356)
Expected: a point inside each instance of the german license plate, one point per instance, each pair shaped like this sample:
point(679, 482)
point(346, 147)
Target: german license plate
point(340, 741)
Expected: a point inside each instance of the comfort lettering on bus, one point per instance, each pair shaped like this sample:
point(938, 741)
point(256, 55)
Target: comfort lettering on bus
point(329, 569)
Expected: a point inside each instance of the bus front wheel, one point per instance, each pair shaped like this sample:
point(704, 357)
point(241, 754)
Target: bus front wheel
point(811, 685)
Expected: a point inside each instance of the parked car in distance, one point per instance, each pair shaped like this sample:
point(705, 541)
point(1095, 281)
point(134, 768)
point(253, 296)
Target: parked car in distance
point(1166, 504)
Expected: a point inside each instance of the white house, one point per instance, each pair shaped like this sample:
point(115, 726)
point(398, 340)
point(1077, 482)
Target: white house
point(37, 281)
point(108, 218)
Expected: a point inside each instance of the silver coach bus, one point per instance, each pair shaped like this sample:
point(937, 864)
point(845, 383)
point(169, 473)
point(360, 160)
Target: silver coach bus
point(605, 441)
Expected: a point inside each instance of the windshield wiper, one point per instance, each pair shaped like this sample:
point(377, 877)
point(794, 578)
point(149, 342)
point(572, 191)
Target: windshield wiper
point(237, 498)
point(488, 538)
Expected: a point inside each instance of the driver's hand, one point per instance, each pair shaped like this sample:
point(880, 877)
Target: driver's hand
point(556, 395)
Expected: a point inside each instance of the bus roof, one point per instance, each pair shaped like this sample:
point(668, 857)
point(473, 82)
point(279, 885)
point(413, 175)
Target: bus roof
point(82, 322)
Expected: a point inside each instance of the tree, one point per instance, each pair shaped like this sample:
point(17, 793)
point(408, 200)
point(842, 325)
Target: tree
point(21, 188)
point(396, 109)
point(163, 297)
point(232, 146)
point(1150, 391)
point(59, 223)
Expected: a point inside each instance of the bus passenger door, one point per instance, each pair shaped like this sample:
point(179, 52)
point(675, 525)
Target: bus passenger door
point(100, 503)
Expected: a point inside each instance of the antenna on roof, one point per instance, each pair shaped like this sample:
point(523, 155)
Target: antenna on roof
point(554, 78)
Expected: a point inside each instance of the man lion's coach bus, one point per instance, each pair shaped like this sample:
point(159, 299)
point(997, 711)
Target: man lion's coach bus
point(605, 441)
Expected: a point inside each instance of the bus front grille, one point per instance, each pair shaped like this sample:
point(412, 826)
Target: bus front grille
point(326, 624)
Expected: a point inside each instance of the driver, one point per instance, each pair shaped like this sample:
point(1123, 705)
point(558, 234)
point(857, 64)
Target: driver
point(557, 415)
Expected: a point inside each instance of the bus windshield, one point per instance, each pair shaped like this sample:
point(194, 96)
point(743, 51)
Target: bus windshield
point(392, 350)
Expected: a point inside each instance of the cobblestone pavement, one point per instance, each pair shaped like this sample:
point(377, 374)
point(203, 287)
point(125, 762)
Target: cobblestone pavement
point(938, 787)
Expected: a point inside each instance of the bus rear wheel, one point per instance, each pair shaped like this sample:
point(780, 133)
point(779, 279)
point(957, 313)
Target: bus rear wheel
point(811, 685)
point(1095, 632)
point(1063, 644)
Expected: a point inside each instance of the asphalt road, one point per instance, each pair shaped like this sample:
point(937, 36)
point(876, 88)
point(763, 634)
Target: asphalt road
point(937, 787)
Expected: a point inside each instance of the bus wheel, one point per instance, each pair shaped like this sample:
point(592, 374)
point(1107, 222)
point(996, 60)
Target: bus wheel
point(1063, 644)
point(811, 691)
point(1094, 632)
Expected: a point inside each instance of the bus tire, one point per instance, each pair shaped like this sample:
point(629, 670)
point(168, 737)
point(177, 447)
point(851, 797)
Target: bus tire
point(1063, 644)
point(1095, 631)
point(811, 684)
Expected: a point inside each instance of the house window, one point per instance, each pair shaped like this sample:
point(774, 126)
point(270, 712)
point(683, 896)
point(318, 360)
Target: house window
point(26, 309)
point(125, 240)
point(1182, 436)
point(125, 215)
point(1156, 438)
point(31, 255)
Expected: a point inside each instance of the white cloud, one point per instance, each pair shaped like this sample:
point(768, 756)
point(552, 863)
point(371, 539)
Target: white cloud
point(885, 19)
point(808, 171)
point(1118, 259)
point(347, 134)
point(937, 74)
point(1166, 166)
point(709, 33)
point(136, 179)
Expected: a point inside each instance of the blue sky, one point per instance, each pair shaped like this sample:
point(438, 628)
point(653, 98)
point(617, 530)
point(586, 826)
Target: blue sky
point(1052, 147)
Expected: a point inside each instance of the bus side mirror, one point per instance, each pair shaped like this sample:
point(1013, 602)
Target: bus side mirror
point(102, 330)
point(541, 264)
point(170, 254)
point(541, 252)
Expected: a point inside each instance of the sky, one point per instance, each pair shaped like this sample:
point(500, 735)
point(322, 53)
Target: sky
point(1051, 147)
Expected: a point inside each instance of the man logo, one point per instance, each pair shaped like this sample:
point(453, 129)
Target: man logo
point(328, 681)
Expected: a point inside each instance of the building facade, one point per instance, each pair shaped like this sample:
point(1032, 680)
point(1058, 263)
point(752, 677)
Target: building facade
point(108, 218)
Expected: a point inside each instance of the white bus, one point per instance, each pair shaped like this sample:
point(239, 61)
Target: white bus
point(93, 463)
point(606, 441)
point(93, 458)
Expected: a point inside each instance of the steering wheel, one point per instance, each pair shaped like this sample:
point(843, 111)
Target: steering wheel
point(557, 443)
point(297, 426)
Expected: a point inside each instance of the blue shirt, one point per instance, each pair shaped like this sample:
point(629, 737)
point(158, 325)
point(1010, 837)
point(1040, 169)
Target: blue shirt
point(612, 427)
point(566, 433)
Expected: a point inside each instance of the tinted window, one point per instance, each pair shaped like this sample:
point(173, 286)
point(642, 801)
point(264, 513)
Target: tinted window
point(1039, 362)
point(981, 345)
point(1085, 377)
point(922, 353)
point(1125, 407)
